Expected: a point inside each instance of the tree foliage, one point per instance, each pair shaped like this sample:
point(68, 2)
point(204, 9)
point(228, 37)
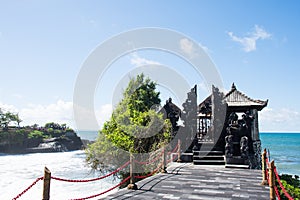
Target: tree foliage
point(135, 126)
point(7, 117)
point(291, 184)
point(36, 134)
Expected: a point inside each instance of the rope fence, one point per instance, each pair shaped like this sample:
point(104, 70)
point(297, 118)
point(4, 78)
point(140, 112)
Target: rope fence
point(94, 179)
point(270, 175)
point(28, 188)
point(151, 161)
point(150, 174)
point(106, 191)
point(162, 165)
point(281, 186)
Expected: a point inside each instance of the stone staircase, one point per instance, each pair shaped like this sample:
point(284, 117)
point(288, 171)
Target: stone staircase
point(213, 157)
point(208, 155)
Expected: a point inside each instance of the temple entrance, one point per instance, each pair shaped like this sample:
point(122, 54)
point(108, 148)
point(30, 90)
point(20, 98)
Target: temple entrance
point(222, 129)
point(239, 139)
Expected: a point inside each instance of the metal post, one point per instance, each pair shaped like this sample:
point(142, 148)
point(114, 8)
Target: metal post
point(132, 185)
point(179, 151)
point(264, 168)
point(163, 161)
point(272, 181)
point(47, 179)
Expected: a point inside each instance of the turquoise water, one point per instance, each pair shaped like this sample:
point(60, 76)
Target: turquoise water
point(88, 135)
point(284, 149)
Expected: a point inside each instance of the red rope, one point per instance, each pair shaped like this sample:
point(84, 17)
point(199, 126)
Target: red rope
point(94, 179)
point(150, 174)
point(28, 188)
point(267, 170)
point(174, 150)
point(110, 189)
point(281, 186)
point(267, 173)
point(149, 162)
point(171, 159)
point(277, 192)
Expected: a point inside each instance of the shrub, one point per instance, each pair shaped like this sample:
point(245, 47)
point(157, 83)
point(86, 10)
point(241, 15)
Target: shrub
point(291, 184)
point(35, 134)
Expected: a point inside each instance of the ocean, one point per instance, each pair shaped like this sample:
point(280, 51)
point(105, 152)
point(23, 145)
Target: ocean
point(284, 149)
point(19, 171)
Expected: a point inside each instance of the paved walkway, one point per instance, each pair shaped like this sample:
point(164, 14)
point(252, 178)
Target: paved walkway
point(188, 181)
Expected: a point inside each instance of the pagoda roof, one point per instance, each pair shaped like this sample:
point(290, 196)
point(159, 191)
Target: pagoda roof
point(239, 102)
point(235, 98)
point(170, 106)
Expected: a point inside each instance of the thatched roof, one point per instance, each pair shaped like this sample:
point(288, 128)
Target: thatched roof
point(238, 101)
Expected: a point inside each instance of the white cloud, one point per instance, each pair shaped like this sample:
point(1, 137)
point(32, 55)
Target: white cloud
point(275, 120)
point(104, 113)
point(6, 107)
point(205, 48)
point(203, 87)
point(279, 120)
point(187, 47)
point(59, 112)
point(137, 61)
point(249, 42)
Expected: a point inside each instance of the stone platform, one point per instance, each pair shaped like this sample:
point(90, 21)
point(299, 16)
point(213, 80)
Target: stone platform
point(188, 181)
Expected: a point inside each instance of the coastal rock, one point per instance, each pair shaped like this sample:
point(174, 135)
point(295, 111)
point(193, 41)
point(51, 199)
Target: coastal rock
point(67, 141)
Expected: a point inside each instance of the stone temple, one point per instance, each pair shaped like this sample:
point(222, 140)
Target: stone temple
point(222, 129)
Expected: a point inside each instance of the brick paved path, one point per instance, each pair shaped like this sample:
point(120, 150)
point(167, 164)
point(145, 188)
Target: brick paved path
point(188, 181)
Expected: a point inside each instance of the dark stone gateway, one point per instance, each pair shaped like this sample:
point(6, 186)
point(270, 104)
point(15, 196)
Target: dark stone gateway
point(223, 129)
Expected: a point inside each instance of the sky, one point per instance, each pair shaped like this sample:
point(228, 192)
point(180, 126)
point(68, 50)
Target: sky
point(44, 45)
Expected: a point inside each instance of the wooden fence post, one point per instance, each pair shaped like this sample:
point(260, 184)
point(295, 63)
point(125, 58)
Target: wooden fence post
point(47, 179)
point(179, 151)
point(272, 181)
point(163, 161)
point(264, 168)
point(132, 185)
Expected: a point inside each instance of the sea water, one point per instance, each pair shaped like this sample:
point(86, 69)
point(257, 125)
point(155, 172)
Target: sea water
point(284, 149)
point(17, 172)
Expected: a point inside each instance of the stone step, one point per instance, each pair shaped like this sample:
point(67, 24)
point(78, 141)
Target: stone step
point(203, 153)
point(209, 162)
point(209, 157)
point(239, 166)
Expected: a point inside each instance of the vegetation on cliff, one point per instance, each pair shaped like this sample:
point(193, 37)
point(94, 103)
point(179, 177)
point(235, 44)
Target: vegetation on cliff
point(292, 186)
point(16, 139)
point(135, 126)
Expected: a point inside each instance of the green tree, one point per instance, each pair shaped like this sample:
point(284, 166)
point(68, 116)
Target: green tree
point(7, 117)
point(135, 126)
point(35, 134)
point(15, 118)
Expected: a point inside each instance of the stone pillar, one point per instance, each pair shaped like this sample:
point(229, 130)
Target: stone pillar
point(254, 125)
point(256, 157)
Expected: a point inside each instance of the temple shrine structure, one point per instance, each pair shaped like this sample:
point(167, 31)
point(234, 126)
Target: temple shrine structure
point(223, 129)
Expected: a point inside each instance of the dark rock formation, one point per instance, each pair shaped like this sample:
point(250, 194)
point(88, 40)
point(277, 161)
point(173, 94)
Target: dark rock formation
point(66, 141)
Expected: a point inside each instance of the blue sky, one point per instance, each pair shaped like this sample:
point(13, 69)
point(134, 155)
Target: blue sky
point(43, 45)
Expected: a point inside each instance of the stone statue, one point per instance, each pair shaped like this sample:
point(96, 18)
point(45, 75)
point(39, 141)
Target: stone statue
point(233, 118)
point(229, 146)
point(244, 147)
